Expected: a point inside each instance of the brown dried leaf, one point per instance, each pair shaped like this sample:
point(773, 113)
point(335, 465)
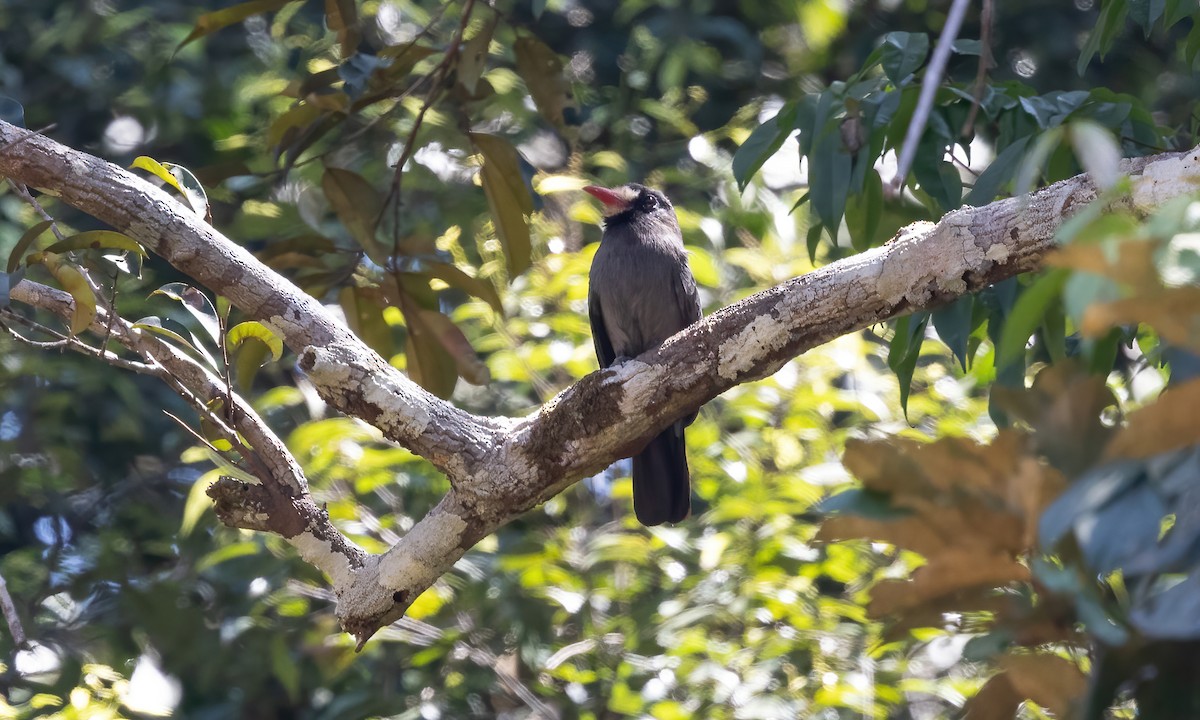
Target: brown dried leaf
point(1173, 312)
point(1063, 407)
point(950, 572)
point(1049, 680)
point(911, 533)
point(1168, 424)
point(996, 700)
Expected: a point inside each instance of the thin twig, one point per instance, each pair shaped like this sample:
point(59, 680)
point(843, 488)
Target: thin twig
point(929, 87)
point(23, 193)
point(190, 431)
point(71, 343)
point(435, 77)
point(986, 62)
point(29, 135)
point(11, 617)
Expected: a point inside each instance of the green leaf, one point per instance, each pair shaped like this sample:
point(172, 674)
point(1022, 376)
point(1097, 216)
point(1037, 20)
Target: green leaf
point(997, 174)
point(812, 240)
point(214, 21)
point(1027, 315)
point(903, 54)
point(763, 142)
point(14, 257)
point(1111, 20)
point(829, 181)
point(954, 326)
point(358, 206)
point(197, 304)
point(1146, 12)
point(542, 70)
point(97, 239)
point(905, 350)
point(254, 330)
point(937, 177)
point(1034, 162)
point(508, 198)
point(864, 211)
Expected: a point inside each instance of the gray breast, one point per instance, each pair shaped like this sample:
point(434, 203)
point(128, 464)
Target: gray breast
point(634, 284)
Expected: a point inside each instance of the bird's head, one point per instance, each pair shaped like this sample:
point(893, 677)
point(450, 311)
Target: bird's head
point(633, 203)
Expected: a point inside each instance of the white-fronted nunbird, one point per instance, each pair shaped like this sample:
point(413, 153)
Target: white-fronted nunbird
point(641, 292)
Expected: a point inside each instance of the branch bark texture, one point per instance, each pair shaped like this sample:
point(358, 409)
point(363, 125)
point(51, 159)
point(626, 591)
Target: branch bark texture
point(501, 467)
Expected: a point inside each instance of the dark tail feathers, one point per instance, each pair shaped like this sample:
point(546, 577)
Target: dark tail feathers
point(661, 486)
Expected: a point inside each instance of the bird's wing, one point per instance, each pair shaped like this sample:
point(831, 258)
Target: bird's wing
point(604, 348)
point(687, 296)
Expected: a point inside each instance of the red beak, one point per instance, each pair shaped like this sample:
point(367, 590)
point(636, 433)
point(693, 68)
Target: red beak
point(607, 196)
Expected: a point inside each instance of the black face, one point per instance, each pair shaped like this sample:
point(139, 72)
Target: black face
point(647, 202)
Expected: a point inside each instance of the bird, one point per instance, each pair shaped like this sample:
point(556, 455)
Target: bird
point(641, 292)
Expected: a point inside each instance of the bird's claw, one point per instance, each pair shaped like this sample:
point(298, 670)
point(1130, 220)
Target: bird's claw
point(620, 360)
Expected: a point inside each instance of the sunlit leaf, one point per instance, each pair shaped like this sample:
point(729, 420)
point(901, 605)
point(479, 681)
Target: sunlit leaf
point(157, 169)
point(254, 330)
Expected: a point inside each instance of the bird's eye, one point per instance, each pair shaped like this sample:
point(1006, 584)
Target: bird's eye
point(649, 203)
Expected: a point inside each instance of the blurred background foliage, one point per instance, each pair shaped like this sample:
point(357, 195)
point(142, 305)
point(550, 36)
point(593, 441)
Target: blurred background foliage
point(1001, 546)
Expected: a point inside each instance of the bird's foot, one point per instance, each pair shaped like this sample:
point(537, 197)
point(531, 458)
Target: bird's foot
point(620, 360)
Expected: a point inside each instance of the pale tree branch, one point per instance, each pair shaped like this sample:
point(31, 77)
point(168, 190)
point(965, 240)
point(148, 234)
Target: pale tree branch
point(502, 467)
point(281, 504)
